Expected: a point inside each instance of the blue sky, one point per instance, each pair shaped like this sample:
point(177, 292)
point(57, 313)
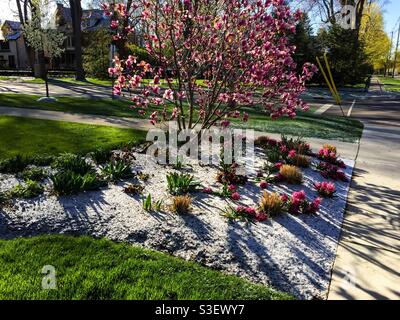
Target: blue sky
point(391, 12)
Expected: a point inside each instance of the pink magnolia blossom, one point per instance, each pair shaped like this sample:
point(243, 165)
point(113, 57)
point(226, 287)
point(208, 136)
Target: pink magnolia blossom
point(240, 47)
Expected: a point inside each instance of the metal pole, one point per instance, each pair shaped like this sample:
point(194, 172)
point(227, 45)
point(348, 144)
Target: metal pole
point(395, 52)
point(389, 55)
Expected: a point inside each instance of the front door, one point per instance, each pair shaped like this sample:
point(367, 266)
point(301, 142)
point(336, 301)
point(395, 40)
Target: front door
point(11, 62)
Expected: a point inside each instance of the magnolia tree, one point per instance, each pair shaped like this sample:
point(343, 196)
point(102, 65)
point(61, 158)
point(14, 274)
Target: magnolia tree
point(215, 57)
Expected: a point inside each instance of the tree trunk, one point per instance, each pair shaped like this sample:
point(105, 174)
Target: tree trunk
point(22, 13)
point(76, 14)
point(122, 44)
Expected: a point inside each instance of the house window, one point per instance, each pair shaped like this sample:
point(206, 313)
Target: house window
point(4, 46)
point(11, 61)
point(70, 42)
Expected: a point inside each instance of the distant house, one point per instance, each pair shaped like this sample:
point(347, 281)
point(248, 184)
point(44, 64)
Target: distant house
point(13, 53)
point(62, 19)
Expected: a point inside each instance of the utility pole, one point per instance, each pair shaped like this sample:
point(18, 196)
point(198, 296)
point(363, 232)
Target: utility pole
point(395, 52)
point(389, 55)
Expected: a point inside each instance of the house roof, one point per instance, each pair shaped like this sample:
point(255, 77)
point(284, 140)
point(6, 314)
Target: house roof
point(14, 25)
point(14, 31)
point(13, 36)
point(91, 19)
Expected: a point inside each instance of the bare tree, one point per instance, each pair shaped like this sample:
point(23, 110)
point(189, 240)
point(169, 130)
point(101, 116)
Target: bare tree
point(76, 14)
point(40, 35)
point(24, 12)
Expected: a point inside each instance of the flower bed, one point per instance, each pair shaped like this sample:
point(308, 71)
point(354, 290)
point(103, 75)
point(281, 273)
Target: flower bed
point(292, 248)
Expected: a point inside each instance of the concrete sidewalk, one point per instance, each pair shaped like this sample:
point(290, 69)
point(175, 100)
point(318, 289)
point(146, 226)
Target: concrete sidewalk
point(125, 123)
point(368, 258)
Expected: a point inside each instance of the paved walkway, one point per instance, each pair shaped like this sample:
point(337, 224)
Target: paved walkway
point(368, 257)
point(57, 88)
point(126, 123)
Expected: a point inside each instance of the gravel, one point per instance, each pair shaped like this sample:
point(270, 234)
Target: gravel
point(291, 253)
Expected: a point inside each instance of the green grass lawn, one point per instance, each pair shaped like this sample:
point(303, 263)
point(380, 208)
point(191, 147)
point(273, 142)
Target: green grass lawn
point(101, 269)
point(36, 137)
point(89, 81)
point(307, 124)
point(390, 83)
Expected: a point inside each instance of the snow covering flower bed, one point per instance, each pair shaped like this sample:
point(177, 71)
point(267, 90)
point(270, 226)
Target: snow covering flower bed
point(293, 253)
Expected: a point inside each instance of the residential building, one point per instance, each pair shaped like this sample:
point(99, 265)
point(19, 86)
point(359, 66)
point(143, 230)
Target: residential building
point(13, 53)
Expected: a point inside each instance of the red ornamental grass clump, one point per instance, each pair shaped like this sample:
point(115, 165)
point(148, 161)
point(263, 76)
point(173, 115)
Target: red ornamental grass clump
point(240, 47)
point(298, 203)
point(325, 189)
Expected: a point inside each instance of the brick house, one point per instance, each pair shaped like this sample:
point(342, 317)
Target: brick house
point(13, 53)
point(91, 20)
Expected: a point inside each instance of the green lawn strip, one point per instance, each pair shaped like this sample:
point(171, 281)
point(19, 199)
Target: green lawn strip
point(390, 83)
point(306, 124)
point(100, 269)
point(31, 137)
point(89, 81)
point(106, 107)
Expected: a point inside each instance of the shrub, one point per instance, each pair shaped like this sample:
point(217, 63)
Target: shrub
point(101, 156)
point(330, 171)
point(72, 162)
point(41, 160)
point(300, 160)
point(181, 204)
point(330, 147)
point(149, 205)
point(181, 183)
point(274, 155)
point(265, 142)
point(134, 189)
point(96, 52)
point(143, 176)
point(29, 189)
point(291, 174)
point(68, 182)
point(299, 204)
point(271, 204)
point(244, 213)
point(14, 165)
point(117, 170)
point(35, 174)
point(331, 157)
point(297, 144)
point(325, 189)
point(3, 198)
